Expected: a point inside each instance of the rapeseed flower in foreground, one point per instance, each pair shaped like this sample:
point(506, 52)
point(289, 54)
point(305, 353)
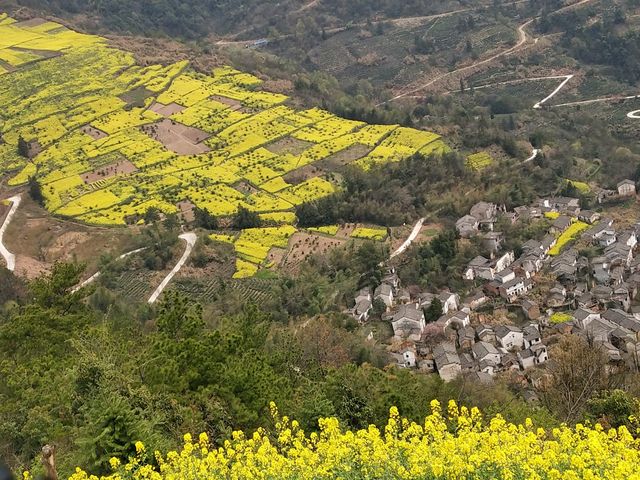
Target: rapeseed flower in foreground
point(454, 444)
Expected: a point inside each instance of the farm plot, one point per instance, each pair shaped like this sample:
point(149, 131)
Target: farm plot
point(117, 139)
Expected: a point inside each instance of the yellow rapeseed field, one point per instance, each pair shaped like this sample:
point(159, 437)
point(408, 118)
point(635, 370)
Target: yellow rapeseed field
point(183, 135)
point(453, 444)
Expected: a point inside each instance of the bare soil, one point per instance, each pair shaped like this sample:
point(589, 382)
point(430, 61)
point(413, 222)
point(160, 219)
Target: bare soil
point(346, 230)
point(233, 104)
point(303, 174)
point(177, 137)
point(304, 244)
point(33, 22)
point(344, 157)
point(289, 145)
point(123, 167)
point(38, 240)
point(93, 132)
point(186, 208)
point(166, 110)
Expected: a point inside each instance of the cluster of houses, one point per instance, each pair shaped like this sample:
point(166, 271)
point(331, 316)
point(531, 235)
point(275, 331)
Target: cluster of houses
point(460, 347)
point(591, 297)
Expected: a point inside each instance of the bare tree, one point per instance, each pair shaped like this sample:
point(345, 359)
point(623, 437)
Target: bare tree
point(578, 370)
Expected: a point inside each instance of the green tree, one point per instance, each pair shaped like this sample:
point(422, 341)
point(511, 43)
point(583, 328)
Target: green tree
point(434, 311)
point(245, 218)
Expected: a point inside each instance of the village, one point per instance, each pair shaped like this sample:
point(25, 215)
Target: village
point(551, 288)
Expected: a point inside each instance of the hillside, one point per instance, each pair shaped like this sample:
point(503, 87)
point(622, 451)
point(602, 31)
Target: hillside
point(356, 210)
point(110, 141)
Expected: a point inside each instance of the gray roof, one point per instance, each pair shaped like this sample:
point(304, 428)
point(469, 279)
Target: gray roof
point(504, 330)
point(482, 349)
point(620, 318)
point(363, 306)
point(408, 311)
point(626, 181)
point(384, 289)
point(479, 261)
point(445, 354)
point(581, 313)
point(531, 333)
point(531, 245)
point(563, 221)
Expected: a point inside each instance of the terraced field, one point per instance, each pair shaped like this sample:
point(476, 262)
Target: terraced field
point(108, 139)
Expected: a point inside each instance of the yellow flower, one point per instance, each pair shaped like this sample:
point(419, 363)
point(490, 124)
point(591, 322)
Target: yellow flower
point(139, 447)
point(115, 462)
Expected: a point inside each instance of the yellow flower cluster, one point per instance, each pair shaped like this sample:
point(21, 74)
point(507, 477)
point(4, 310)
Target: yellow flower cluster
point(567, 236)
point(455, 444)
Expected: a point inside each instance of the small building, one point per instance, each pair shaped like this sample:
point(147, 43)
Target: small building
point(486, 352)
point(531, 336)
point(589, 216)
point(447, 361)
point(362, 310)
point(408, 322)
point(515, 288)
point(627, 188)
point(467, 226)
point(486, 334)
point(384, 292)
point(409, 358)
point(466, 337)
point(560, 224)
point(493, 241)
point(509, 336)
point(530, 309)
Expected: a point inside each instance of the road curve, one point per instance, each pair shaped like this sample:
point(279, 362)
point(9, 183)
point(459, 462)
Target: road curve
point(95, 276)
point(534, 152)
point(412, 236)
point(190, 238)
point(9, 258)
point(522, 38)
point(634, 114)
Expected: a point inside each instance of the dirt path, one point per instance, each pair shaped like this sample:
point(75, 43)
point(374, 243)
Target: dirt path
point(634, 114)
point(534, 152)
point(190, 238)
point(96, 275)
point(9, 258)
point(558, 88)
point(522, 39)
point(412, 236)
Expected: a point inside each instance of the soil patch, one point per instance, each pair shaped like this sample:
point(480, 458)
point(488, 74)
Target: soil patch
point(245, 188)
point(30, 268)
point(346, 230)
point(177, 137)
point(276, 255)
point(123, 167)
point(303, 174)
point(289, 145)
point(344, 157)
point(40, 53)
point(166, 110)
point(93, 132)
point(33, 22)
point(186, 211)
point(303, 244)
point(136, 97)
point(233, 104)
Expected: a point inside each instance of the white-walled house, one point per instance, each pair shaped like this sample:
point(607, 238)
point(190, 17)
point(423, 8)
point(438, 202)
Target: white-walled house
point(509, 336)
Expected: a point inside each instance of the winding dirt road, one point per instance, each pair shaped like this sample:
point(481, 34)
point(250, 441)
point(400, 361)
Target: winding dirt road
point(190, 238)
point(522, 39)
point(9, 258)
point(96, 275)
point(412, 236)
